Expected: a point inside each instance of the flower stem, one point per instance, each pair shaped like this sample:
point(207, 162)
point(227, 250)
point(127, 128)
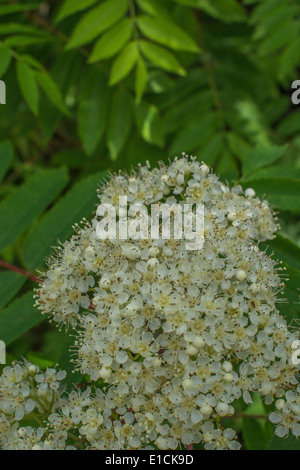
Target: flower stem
point(15, 269)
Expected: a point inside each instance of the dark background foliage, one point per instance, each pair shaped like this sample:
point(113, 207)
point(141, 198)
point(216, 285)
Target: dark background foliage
point(96, 86)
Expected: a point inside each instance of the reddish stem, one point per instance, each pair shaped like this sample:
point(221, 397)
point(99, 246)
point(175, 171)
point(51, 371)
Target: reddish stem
point(190, 447)
point(15, 269)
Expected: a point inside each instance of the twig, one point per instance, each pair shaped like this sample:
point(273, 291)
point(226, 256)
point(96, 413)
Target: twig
point(15, 269)
point(133, 18)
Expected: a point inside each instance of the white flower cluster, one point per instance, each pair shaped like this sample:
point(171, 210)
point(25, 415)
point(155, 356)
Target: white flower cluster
point(25, 394)
point(176, 336)
point(287, 418)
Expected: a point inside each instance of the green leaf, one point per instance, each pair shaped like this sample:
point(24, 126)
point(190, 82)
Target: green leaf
point(5, 59)
point(225, 10)
point(112, 41)
point(255, 125)
point(57, 223)
point(161, 57)
point(290, 125)
point(283, 193)
point(141, 79)
point(96, 21)
point(6, 157)
point(11, 9)
point(65, 362)
point(264, 9)
point(154, 8)
point(260, 157)
point(52, 91)
point(289, 59)
point(74, 158)
point(19, 317)
point(150, 124)
point(166, 33)
point(93, 107)
point(28, 85)
point(21, 40)
point(285, 250)
point(20, 208)
point(65, 73)
point(282, 35)
point(237, 145)
point(120, 121)
point(18, 28)
point(32, 62)
point(290, 308)
point(40, 361)
point(10, 284)
point(277, 171)
point(196, 133)
point(124, 63)
point(70, 7)
point(198, 105)
point(212, 149)
point(279, 15)
point(253, 434)
point(289, 443)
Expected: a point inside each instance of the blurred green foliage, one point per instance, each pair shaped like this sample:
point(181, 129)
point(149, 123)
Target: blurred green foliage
point(96, 86)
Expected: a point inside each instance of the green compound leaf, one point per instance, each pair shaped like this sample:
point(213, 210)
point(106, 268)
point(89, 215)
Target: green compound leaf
point(228, 11)
point(289, 443)
point(112, 41)
point(124, 63)
point(153, 8)
point(96, 21)
point(166, 33)
point(285, 250)
point(276, 171)
point(10, 284)
point(195, 134)
point(253, 434)
point(93, 108)
point(289, 59)
point(291, 307)
point(150, 124)
point(5, 59)
point(283, 193)
point(65, 362)
point(19, 209)
point(283, 35)
point(70, 7)
point(18, 28)
point(52, 91)
point(120, 121)
point(260, 157)
point(19, 317)
point(28, 85)
point(21, 40)
point(6, 157)
point(290, 125)
point(140, 79)
point(57, 223)
point(11, 9)
point(162, 58)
